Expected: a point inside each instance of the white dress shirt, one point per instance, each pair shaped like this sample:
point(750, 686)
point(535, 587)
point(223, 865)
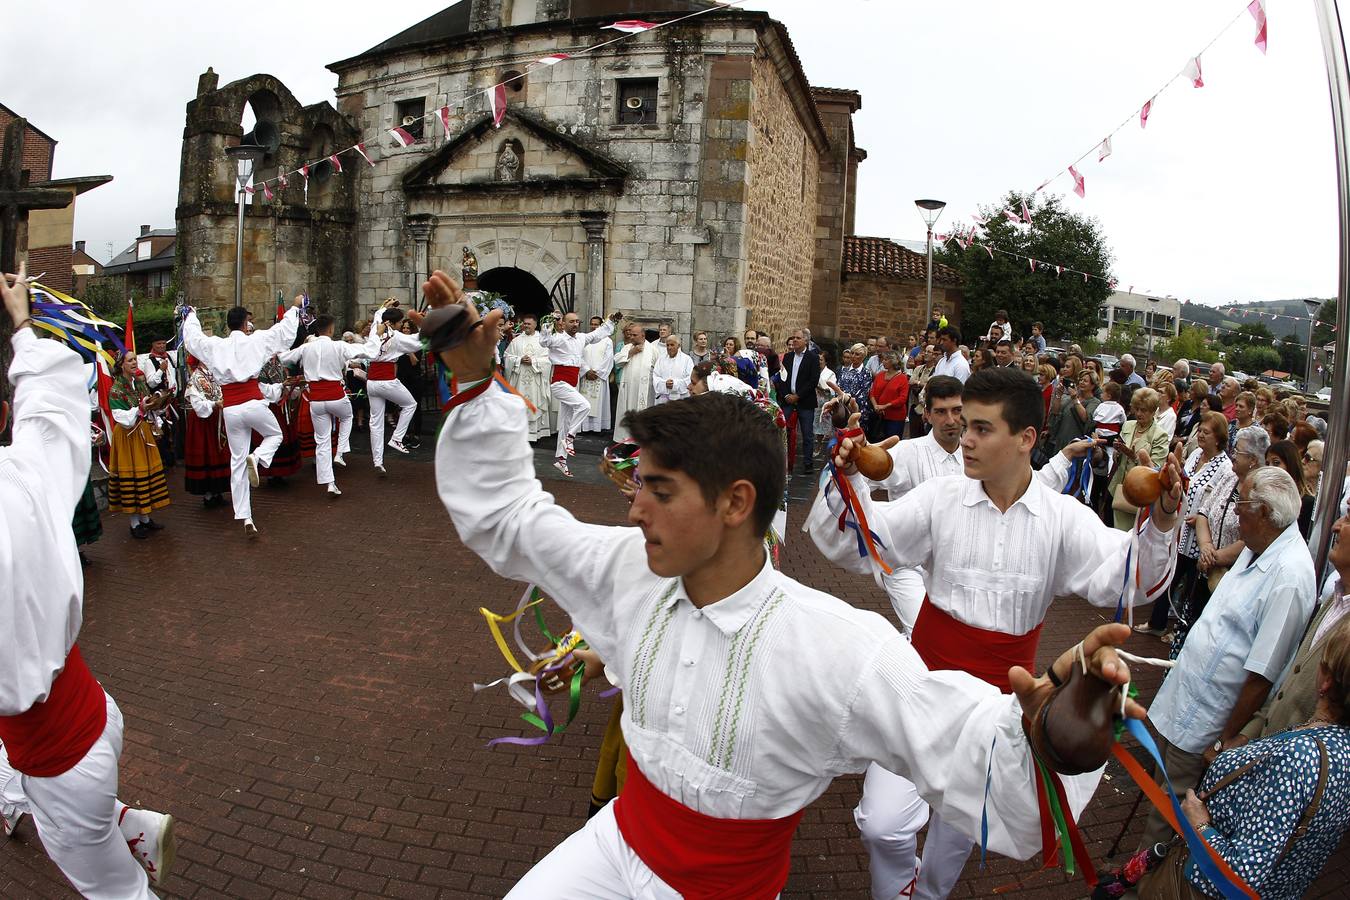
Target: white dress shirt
point(42, 475)
point(324, 359)
point(157, 379)
point(566, 349)
point(237, 356)
point(717, 712)
point(675, 368)
point(392, 345)
point(954, 365)
point(997, 570)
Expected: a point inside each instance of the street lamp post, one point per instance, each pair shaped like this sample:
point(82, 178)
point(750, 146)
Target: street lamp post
point(1313, 306)
point(244, 156)
point(930, 210)
point(1150, 318)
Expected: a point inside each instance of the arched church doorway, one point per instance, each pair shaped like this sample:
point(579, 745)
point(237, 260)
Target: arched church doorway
point(521, 289)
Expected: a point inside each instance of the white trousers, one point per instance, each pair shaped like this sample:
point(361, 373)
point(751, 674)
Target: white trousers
point(76, 817)
point(890, 815)
point(321, 415)
point(379, 393)
point(240, 423)
point(594, 863)
point(572, 412)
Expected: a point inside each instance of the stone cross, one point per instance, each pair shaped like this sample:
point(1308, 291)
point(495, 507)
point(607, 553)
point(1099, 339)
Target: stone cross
point(16, 199)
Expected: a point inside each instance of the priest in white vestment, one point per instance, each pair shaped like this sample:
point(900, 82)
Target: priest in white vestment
point(634, 360)
point(670, 374)
point(597, 362)
point(527, 368)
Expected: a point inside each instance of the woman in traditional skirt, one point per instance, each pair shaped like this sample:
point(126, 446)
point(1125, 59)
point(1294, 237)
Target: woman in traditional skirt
point(206, 453)
point(136, 483)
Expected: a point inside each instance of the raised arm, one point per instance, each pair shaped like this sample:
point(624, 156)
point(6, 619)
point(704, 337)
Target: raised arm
point(902, 527)
point(51, 422)
point(280, 336)
point(198, 343)
point(603, 333)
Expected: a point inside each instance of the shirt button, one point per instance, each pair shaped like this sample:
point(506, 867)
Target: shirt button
point(698, 614)
point(688, 662)
point(679, 710)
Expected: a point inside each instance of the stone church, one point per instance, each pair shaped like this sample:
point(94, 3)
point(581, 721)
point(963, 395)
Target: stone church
point(690, 175)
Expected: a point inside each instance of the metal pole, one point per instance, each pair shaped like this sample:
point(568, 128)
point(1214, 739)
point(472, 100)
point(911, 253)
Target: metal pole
point(239, 253)
point(1333, 469)
point(929, 317)
point(1307, 377)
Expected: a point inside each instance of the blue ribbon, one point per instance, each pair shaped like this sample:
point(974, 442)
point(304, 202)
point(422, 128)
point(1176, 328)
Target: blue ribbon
point(1199, 851)
point(1080, 480)
point(1124, 584)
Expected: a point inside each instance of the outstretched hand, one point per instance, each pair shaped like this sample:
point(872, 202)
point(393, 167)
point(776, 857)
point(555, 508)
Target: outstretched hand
point(847, 451)
point(475, 357)
point(1169, 502)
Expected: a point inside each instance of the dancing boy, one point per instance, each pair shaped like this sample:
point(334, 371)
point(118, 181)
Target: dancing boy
point(565, 356)
point(385, 345)
point(324, 361)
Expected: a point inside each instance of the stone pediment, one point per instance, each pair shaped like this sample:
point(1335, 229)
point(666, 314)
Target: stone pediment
point(524, 154)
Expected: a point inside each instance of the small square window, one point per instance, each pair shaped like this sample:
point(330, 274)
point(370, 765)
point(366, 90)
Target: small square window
point(637, 101)
point(408, 116)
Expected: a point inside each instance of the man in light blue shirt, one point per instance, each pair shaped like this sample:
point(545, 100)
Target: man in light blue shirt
point(1242, 645)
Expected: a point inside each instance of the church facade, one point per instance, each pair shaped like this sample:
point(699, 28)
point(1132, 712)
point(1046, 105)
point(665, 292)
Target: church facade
point(685, 176)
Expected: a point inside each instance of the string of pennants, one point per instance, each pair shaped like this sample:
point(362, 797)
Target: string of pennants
point(495, 94)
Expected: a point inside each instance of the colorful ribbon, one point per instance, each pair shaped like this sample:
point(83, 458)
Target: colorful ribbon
point(868, 540)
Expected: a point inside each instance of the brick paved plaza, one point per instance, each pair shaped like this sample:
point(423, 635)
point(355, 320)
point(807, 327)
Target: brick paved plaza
point(302, 705)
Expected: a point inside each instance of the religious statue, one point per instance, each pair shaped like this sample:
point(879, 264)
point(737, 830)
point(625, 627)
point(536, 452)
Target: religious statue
point(470, 266)
point(508, 163)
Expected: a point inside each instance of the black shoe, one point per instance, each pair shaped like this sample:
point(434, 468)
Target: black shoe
point(153, 525)
point(140, 532)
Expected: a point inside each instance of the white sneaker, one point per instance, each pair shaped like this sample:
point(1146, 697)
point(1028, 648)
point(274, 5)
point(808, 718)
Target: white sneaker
point(250, 530)
point(339, 461)
point(9, 822)
point(398, 445)
point(251, 462)
point(381, 471)
point(333, 489)
point(561, 466)
point(150, 839)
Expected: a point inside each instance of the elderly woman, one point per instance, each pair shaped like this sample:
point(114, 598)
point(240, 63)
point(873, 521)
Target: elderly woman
point(1073, 417)
point(1244, 410)
point(1209, 472)
point(856, 382)
point(1167, 407)
point(136, 483)
point(1188, 414)
point(890, 396)
point(1141, 442)
point(1312, 466)
point(918, 380)
point(1285, 455)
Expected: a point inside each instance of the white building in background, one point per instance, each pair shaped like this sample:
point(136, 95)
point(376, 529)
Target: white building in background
point(1158, 318)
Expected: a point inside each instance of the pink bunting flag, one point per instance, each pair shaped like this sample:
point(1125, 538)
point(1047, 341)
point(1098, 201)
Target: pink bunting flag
point(444, 114)
point(1032, 262)
point(281, 179)
point(1104, 149)
point(1026, 213)
point(1059, 270)
point(988, 250)
point(267, 191)
point(336, 163)
point(1079, 184)
point(361, 148)
point(1012, 216)
point(979, 221)
point(402, 136)
point(497, 99)
point(248, 189)
point(1258, 10)
point(1144, 111)
point(632, 26)
point(1192, 71)
point(552, 59)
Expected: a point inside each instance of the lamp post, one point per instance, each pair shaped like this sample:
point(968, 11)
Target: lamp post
point(930, 210)
point(1313, 306)
point(1149, 318)
point(244, 156)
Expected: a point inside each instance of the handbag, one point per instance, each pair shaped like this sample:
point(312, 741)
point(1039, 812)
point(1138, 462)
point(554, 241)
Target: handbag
point(1215, 576)
point(1168, 881)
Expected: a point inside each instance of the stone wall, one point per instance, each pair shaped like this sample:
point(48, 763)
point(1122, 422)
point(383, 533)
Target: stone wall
point(881, 305)
point(781, 213)
point(832, 221)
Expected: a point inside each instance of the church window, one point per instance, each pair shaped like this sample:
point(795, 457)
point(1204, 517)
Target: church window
point(637, 101)
point(408, 114)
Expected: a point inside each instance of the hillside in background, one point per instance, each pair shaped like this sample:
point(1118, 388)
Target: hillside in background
point(1263, 312)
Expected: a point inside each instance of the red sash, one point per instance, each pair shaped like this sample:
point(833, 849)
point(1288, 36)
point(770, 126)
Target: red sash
point(326, 390)
point(945, 643)
point(382, 371)
point(49, 739)
point(240, 392)
point(701, 856)
point(569, 374)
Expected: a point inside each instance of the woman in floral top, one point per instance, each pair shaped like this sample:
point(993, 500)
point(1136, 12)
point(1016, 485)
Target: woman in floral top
point(856, 382)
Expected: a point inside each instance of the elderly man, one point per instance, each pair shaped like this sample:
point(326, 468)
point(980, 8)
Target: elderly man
point(1245, 641)
point(670, 373)
point(797, 394)
point(1216, 372)
point(1181, 376)
point(873, 364)
point(1132, 378)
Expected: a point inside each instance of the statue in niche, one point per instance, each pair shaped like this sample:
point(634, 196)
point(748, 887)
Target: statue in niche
point(470, 265)
point(509, 162)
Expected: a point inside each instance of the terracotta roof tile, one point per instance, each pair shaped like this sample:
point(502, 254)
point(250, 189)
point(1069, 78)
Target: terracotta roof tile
point(879, 256)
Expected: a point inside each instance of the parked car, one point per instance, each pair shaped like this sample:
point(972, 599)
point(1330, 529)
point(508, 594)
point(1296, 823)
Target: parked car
point(1324, 395)
point(1108, 361)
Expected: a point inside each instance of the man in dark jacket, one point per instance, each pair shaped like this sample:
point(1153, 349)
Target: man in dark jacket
point(797, 393)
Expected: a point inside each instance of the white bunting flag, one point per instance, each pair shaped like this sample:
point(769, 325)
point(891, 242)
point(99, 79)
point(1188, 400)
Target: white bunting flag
point(1033, 264)
point(1192, 71)
point(445, 120)
point(361, 148)
point(1104, 149)
point(1258, 10)
point(281, 179)
point(988, 250)
point(552, 59)
point(336, 163)
point(402, 136)
point(304, 173)
point(632, 26)
point(267, 191)
point(1079, 183)
point(1059, 270)
point(1026, 213)
point(1085, 278)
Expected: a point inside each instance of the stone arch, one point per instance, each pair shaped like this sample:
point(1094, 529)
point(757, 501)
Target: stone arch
point(522, 290)
point(546, 262)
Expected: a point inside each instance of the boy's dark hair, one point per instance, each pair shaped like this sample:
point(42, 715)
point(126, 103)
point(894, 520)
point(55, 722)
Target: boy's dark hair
point(393, 315)
point(716, 439)
point(703, 370)
point(322, 324)
point(1016, 392)
point(951, 332)
point(236, 318)
point(941, 387)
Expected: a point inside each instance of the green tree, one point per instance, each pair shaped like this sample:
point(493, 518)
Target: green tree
point(1326, 315)
point(1192, 342)
point(1065, 303)
point(1250, 333)
point(1121, 339)
point(1253, 359)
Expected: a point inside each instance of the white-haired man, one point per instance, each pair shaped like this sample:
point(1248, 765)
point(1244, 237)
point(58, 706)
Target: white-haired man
point(1132, 378)
point(1244, 642)
point(1181, 376)
point(1216, 373)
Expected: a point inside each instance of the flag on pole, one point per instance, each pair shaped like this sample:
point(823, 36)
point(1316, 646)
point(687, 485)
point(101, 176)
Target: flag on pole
point(1258, 10)
point(1104, 149)
point(337, 163)
point(129, 335)
point(552, 59)
point(1079, 183)
point(632, 26)
point(402, 136)
point(361, 148)
point(497, 99)
point(1192, 71)
point(1144, 111)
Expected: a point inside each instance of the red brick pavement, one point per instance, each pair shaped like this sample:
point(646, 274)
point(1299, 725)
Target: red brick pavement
point(302, 705)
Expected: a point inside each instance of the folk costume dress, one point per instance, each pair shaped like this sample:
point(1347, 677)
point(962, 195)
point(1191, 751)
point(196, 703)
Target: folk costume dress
point(721, 727)
point(284, 402)
point(206, 456)
point(136, 482)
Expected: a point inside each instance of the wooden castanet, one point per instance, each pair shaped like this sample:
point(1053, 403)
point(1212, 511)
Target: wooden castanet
point(1073, 730)
point(873, 462)
point(1143, 486)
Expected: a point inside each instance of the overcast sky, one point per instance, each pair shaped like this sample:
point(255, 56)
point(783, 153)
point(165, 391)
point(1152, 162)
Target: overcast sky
point(1228, 196)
